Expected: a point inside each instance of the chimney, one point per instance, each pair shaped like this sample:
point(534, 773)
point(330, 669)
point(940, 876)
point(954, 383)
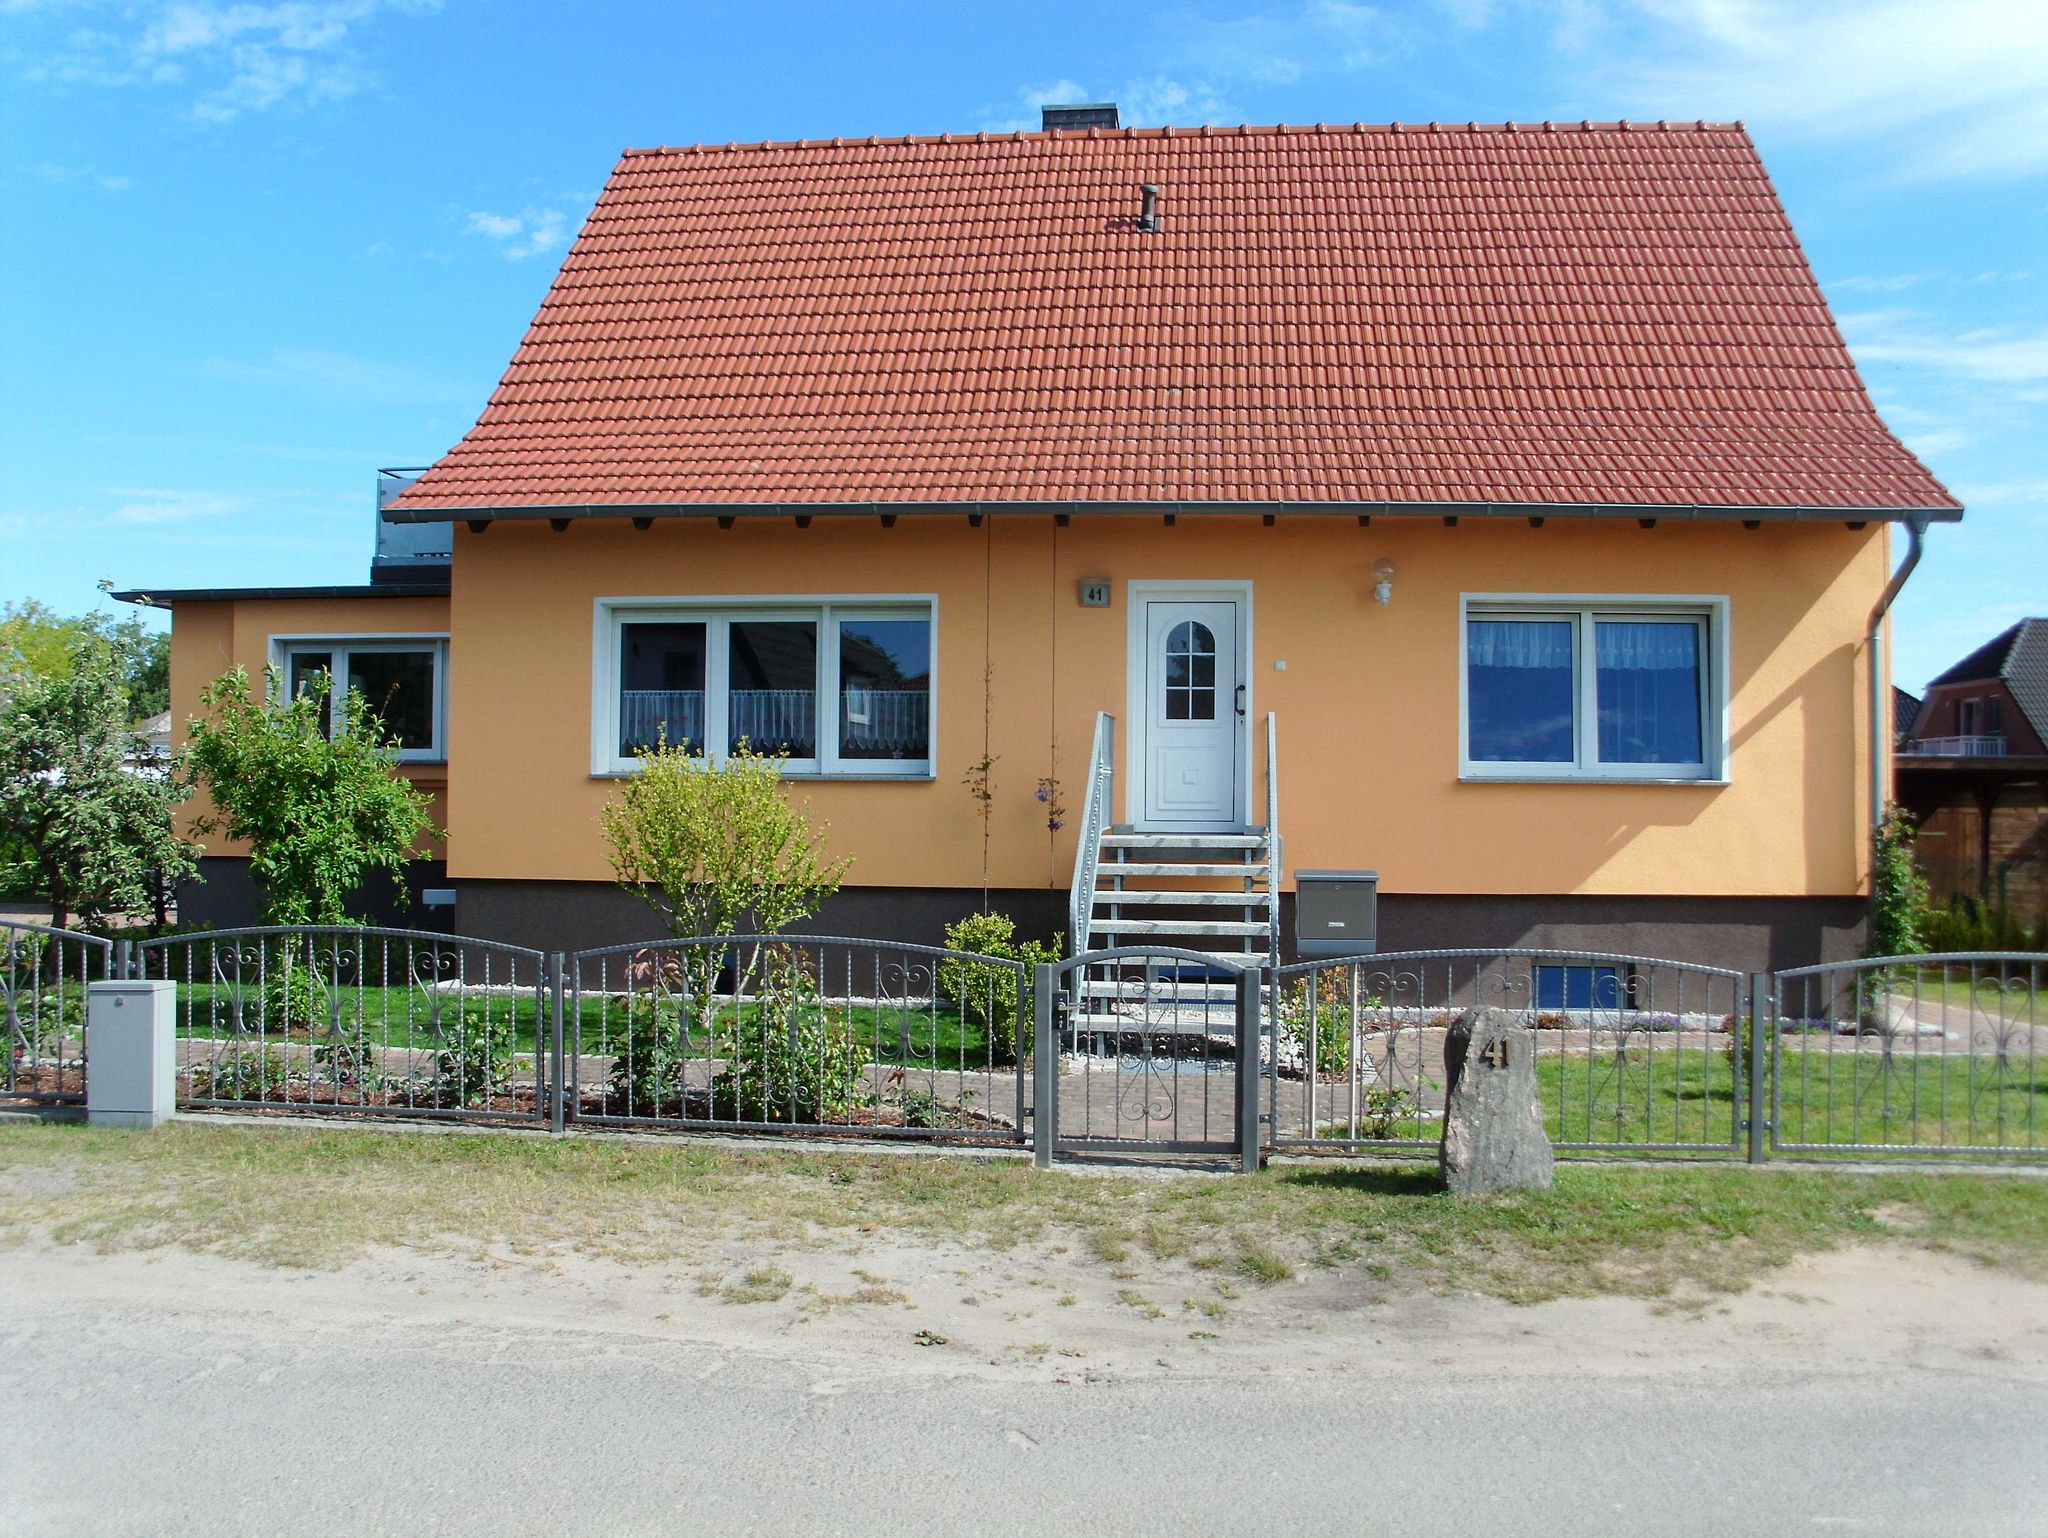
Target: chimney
point(1084, 115)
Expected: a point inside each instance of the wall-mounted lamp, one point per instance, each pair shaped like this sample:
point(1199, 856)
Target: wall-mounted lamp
point(1383, 580)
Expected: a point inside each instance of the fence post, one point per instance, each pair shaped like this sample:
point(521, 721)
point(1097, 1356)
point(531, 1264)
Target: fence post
point(1045, 1062)
point(1763, 1035)
point(120, 960)
point(1249, 984)
point(558, 1081)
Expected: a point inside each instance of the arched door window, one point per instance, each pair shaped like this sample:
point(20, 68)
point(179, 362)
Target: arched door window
point(1190, 672)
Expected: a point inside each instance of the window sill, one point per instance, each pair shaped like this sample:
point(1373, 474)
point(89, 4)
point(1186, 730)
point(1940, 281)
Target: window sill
point(1698, 782)
point(808, 776)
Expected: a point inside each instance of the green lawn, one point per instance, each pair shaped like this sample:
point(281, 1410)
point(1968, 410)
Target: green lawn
point(1690, 1095)
point(292, 1196)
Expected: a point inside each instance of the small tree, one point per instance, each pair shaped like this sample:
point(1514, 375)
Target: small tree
point(716, 849)
point(318, 813)
point(1898, 904)
point(88, 811)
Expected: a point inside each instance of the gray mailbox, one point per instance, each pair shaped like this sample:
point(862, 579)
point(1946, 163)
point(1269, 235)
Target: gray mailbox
point(1336, 912)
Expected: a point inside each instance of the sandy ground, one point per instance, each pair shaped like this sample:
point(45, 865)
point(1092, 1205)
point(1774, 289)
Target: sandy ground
point(874, 1308)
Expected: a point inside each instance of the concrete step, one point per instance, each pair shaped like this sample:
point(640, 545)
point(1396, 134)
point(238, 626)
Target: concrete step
point(1207, 1025)
point(1134, 897)
point(1122, 926)
point(1165, 992)
point(1183, 841)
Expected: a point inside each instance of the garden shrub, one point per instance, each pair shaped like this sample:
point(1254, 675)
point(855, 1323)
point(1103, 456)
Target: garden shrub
point(647, 1062)
point(989, 996)
point(474, 1066)
point(1330, 1006)
point(1899, 905)
point(1968, 925)
point(262, 1074)
point(787, 1057)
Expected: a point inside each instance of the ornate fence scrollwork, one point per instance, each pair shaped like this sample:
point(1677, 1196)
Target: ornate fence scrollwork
point(1632, 1053)
point(345, 1018)
point(1938, 1054)
point(799, 1033)
point(1152, 1051)
point(43, 978)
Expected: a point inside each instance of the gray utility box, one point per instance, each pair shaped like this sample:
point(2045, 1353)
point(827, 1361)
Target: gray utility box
point(131, 1045)
point(1336, 912)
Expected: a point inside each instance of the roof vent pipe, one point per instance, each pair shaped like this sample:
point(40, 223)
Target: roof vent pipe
point(1148, 214)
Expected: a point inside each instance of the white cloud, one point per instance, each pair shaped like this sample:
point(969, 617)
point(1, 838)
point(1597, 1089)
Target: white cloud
point(1143, 102)
point(341, 376)
point(1990, 355)
point(1869, 283)
point(235, 58)
point(1945, 88)
point(2004, 493)
point(50, 171)
point(530, 232)
point(151, 505)
point(1960, 85)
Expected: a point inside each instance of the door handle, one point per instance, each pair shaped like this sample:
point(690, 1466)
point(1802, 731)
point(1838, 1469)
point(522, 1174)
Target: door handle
point(1240, 700)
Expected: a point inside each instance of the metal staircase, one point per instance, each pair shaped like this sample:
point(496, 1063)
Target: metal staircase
point(1213, 894)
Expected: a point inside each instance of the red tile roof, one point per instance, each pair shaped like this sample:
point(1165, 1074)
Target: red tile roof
point(1605, 314)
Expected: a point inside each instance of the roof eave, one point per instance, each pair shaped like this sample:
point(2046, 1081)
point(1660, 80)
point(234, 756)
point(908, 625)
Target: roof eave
point(399, 512)
point(152, 598)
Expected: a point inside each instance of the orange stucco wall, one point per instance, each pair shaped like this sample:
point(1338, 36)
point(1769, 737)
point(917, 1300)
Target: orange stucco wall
point(209, 638)
point(1367, 705)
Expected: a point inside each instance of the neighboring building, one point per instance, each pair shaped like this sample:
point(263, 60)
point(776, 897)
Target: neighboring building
point(1516, 475)
point(1973, 773)
point(1905, 710)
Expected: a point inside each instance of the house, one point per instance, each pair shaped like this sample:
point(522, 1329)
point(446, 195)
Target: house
point(1973, 775)
point(1493, 508)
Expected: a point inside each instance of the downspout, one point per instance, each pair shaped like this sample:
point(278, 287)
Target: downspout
point(1880, 748)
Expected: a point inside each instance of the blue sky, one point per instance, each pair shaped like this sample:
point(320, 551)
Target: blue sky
point(251, 252)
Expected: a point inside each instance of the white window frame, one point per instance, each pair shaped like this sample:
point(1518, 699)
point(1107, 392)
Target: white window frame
point(1584, 610)
point(715, 612)
point(282, 648)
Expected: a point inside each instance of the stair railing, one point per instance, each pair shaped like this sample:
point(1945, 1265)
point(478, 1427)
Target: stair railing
point(1274, 862)
point(1095, 804)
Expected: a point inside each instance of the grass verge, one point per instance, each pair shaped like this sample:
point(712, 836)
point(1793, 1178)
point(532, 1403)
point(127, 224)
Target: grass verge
point(324, 1198)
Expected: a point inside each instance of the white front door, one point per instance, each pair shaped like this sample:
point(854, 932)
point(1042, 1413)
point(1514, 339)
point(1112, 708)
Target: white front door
point(1190, 751)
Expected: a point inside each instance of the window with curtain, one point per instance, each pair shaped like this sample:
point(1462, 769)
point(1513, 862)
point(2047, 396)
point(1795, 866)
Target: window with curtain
point(834, 688)
point(1556, 690)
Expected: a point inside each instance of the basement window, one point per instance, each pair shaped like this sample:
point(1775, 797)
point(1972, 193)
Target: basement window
point(1581, 689)
point(836, 687)
point(402, 677)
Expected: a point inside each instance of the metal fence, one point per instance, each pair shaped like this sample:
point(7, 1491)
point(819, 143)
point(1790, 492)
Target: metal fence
point(797, 1033)
point(344, 1018)
point(1632, 1053)
point(1911, 1055)
point(43, 974)
point(1134, 1050)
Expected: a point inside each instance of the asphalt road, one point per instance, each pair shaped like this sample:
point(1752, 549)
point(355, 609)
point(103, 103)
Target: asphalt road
point(164, 1414)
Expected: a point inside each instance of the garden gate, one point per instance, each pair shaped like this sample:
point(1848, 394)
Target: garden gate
point(1148, 1050)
